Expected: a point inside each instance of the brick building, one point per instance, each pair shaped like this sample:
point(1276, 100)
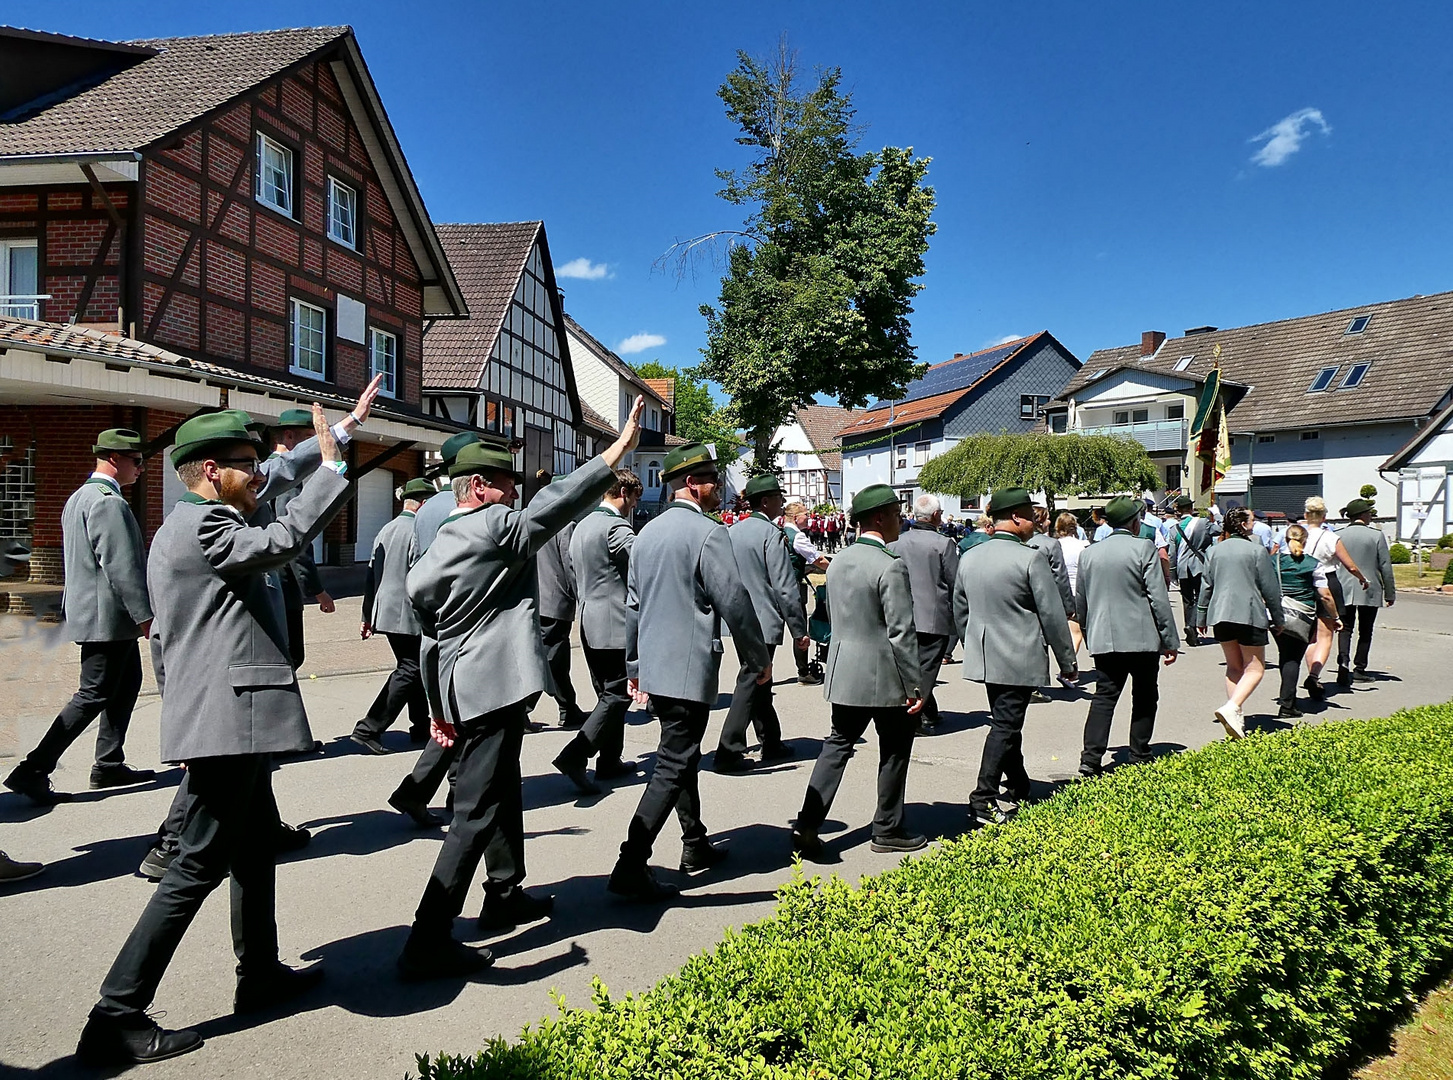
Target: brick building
point(205, 222)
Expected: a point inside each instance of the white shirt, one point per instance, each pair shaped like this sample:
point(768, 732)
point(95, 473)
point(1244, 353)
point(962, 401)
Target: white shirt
point(1070, 547)
point(109, 479)
point(803, 546)
point(1262, 531)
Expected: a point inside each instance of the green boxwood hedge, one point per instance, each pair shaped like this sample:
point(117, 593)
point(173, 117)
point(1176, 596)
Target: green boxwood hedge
point(1250, 910)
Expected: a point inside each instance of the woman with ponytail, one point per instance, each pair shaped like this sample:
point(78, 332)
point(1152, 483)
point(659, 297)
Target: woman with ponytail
point(1304, 591)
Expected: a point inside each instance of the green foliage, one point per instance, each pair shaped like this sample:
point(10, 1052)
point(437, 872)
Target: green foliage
point(820, 280)
point(1368, 491)
point(1056, 464)
point(1445, 541)
point(1400, 554)
point(697, 417)
point(1448, 574)
point(1252, 910)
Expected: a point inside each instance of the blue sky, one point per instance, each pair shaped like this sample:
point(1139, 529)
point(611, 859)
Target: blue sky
point(1097, 166)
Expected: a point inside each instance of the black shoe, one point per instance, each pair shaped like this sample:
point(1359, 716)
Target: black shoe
point(899, 842)
point(778, 751)
point(614, 770)
point(508, 910)
point(158, 859)
point(983, 816)
point(575, 772)
point(809, 679)
point(574, 718)
point(1039, 697)
point(1314, 688)
point(370, 743)
point(119, 775)
point(1085, 774)
point(416, 809)
point(727, 761)
point(290, 838)
point(1289, 712)
point(444, 959)
point(35, 787)
point(1361, 675)
point(696, 858)
point(809, 845)
point(638, 884)
point(1192, 638)
point(109, 1041)
point(1344, 677)
point(927, 726)
point(272, 988)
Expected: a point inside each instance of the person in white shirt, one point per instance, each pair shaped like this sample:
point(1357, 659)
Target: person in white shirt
point(1071, 543)
point(1262, 531)
point(1323, 545)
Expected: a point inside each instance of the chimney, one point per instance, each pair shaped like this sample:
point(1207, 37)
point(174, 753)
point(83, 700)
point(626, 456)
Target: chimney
point(1150, 340)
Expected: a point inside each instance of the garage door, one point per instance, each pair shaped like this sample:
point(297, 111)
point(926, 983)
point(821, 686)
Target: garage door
point(375, 508)
point(1286, 493)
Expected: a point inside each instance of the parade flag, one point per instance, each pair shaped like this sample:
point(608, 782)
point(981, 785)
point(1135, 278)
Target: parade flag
point(1211, 440)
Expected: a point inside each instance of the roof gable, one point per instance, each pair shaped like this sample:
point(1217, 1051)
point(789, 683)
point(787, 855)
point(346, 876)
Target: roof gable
point(821, 424)
point(488, 261)
point(612, 361)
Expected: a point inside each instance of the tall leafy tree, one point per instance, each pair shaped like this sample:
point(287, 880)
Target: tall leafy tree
point(697, 417)
point(821, 277)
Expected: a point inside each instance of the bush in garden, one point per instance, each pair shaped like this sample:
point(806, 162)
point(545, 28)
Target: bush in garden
point(1250, 910)
point(1445, 541)
point(1448, 574)
point(1400, 554)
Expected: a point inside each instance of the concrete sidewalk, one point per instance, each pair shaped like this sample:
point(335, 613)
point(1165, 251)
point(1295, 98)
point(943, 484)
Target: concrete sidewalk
point(350, 896)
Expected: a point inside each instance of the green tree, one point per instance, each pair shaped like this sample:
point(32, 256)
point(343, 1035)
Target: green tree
point(697, 417)
point(820, 278)
point(1054, 464)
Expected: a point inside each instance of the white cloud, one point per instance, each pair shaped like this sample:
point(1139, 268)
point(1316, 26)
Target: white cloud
point(640, 343)
point(1285, 137)
point(584, 269)
point(1005, 340)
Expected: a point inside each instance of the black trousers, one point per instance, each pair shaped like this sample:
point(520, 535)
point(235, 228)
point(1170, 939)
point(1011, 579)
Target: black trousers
point(674, 780)
point(751, 704)
point(224, 831)
point(110, 681)
point(895, 745)
point(489, 819)
point(555, 635)
point(296, 650)
point(405, 687)
point(1290, 650)
point(604, 731)
point(170, 833)
point(1142, 670)
point(802, 656)
point(1359, 618)
point(932, 650)
point(1004, 748)
point(1190, 594)
point(435, 764)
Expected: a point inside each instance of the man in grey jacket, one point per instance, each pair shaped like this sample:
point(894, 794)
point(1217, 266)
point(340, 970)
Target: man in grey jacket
point(229, 700)
point(475, 591)
point(873, 675)
point(387, 611)
point(932, 560)
point(1190, 540)
point(1124, 608)
point(765, 562)
point(1367, 546)
point(683, 582)
point(600, 554)
point(1007, 609)
point(557, 615)
point(106, 609)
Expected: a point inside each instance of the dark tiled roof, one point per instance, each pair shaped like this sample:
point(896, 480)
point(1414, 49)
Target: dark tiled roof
point(186, 79)
point(487, 261)
point(1409, 344)
point(589, 418)
point(610, 359)
point(821, 424)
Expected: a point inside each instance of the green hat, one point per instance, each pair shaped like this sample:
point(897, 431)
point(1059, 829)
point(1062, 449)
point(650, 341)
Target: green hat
point(871, 498)
point(117, 438)
point(1183, 501)
point(478, 457)
point(1008, 499)
point(419, 489)
point(766, 484)
point(295, 418)
point(686, 459)
point(200, 433)
point(455, 443)
point(1121, 510)
point(1357, 507)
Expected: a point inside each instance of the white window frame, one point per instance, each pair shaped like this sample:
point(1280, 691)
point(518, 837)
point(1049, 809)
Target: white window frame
point(12, 308)
point(376, 337)
point(290, 176)
point(1360, 370)
point(900, 453)
point(295, 344)
point(920, 453)
point(335, 188)
point(1330, 372)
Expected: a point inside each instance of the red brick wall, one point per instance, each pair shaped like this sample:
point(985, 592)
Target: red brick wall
point(70, 225)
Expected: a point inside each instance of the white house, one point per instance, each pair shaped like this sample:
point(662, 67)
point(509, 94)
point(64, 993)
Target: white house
point(1423, 469)
point(807, 455)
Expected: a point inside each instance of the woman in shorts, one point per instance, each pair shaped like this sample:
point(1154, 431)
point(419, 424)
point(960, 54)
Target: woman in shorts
point(1323, 545)
point(1240, 598)
point(1304, 581)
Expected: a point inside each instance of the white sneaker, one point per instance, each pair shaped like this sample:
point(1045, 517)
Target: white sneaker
point(1229, 717)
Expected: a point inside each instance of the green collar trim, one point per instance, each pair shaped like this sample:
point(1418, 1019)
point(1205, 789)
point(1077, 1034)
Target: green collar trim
point(675, 504)
point(873, 541)
point(407, 513)
point(111, 486)
point(200, 500)
point(609, 511)
point(1005, 536)
point(764, 517)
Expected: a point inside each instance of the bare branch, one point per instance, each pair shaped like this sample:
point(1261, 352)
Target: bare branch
point(686, 256)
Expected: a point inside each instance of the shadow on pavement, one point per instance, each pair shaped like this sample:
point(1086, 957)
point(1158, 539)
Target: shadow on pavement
point(101, 861)
point(17, 808)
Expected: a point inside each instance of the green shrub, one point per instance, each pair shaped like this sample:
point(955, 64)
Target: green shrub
point(1250, 910)
point(1400, 554)
point(1445, 541)
point(1448, 574)
point(1368, 491)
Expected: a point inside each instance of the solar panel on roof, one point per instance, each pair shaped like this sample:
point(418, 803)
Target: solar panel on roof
point(953, 375)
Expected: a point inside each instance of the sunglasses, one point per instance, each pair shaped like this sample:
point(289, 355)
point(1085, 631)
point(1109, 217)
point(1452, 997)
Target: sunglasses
point(244, 464)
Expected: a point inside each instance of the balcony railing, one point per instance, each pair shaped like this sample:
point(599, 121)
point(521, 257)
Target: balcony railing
point(1152, 434)
point(21, 306)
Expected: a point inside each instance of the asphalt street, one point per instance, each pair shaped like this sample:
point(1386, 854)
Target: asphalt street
point(349, 897)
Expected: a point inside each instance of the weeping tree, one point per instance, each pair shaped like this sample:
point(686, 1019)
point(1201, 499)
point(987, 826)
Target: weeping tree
point(1054, 464)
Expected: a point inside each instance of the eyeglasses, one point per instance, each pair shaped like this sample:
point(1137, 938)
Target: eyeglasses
point(245, 464)
point(706, 477)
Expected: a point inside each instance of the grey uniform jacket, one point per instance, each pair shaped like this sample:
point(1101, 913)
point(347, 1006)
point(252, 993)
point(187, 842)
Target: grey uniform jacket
point(476, 594)
point(682, 583)
point(386, 604)
point(556, 577)
point(431, 515)
point(105, 597)
point(1121, 601)
point(1056, 555)
point(282, 472)
point(1007, 609)
point(1368, 548)
point(1240, 584)
point(1190, 541)
point(600, 553)
point(873, 657)
point(220, 641)
point(932, 560)
point(765, 562)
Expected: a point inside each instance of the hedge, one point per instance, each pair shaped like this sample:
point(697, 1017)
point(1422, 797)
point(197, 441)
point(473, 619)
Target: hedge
point(1400, 554)
point(1250, 910)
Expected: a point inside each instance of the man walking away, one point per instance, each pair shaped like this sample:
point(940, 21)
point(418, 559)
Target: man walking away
point(932, 561)
point(557, 616)
point(1190, 539)
point(806, 559)
point(1368, 547)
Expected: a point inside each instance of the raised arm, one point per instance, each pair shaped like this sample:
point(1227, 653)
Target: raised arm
point(234, 548)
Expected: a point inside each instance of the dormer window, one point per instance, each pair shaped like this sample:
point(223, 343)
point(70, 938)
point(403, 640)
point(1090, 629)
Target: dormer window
point(1359, 324)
